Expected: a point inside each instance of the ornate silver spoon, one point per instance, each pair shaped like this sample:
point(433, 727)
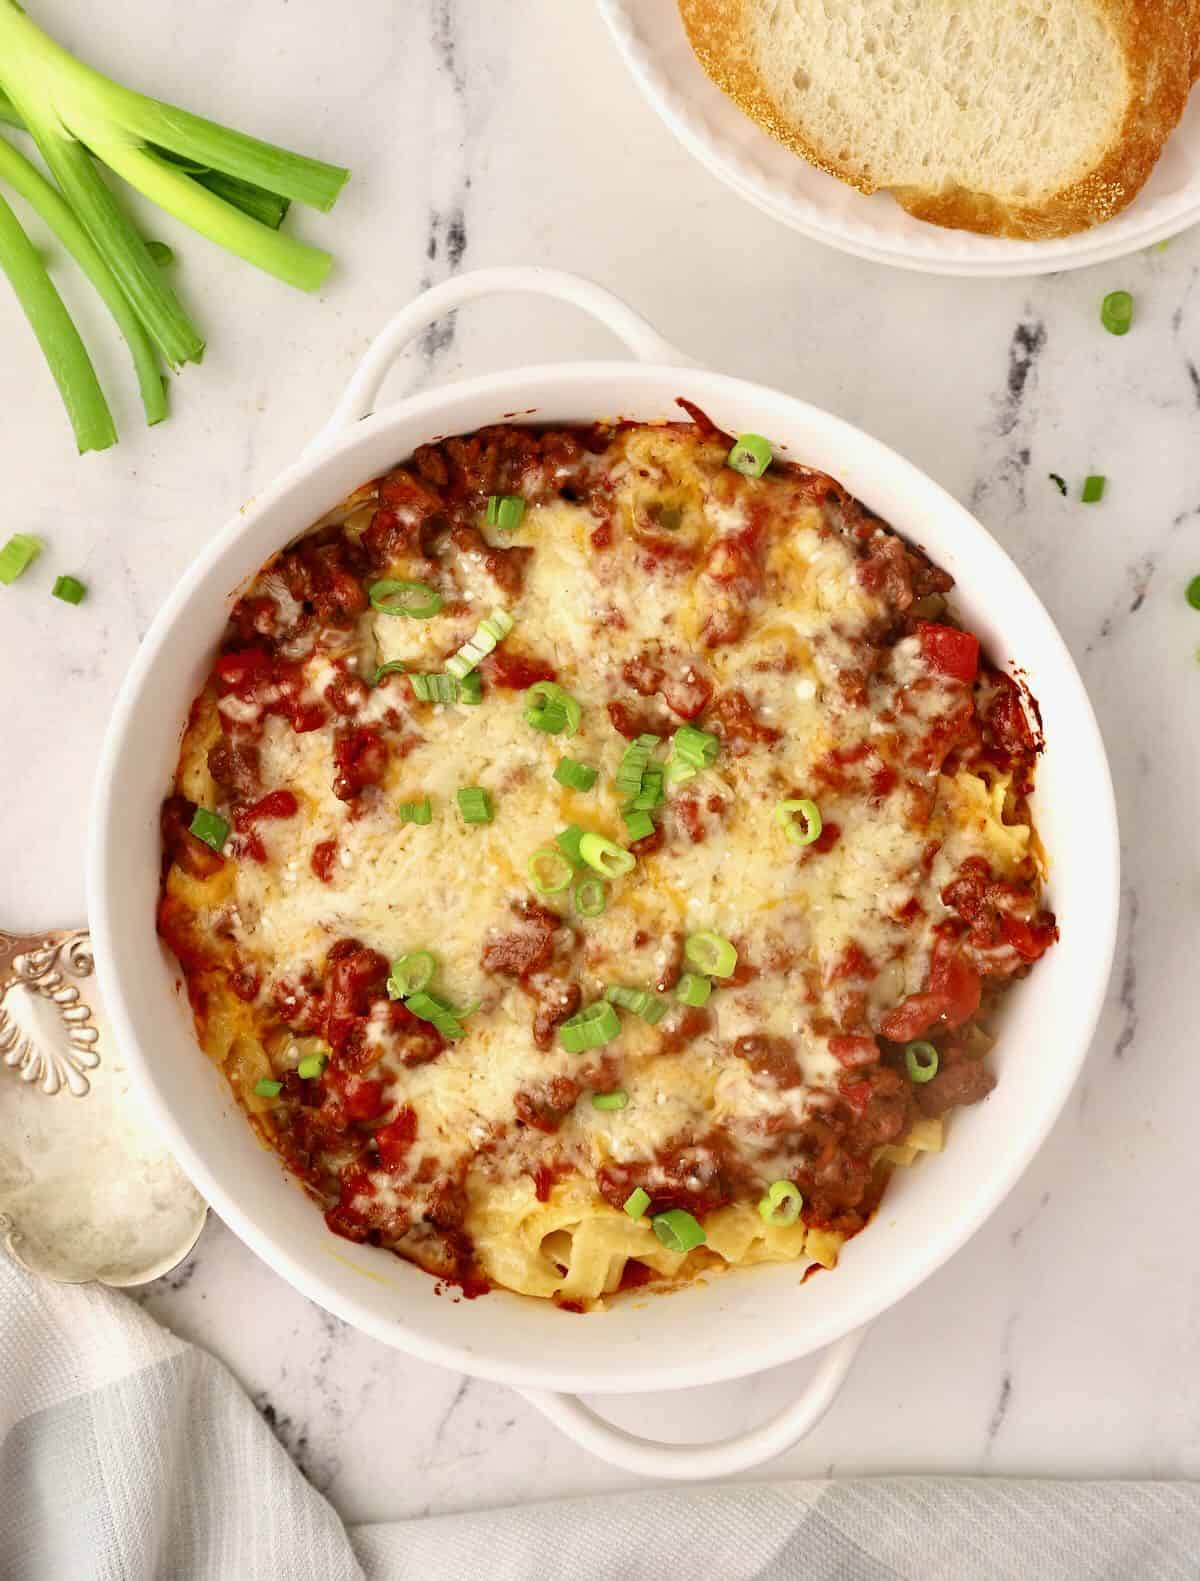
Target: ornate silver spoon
point(87, 1191)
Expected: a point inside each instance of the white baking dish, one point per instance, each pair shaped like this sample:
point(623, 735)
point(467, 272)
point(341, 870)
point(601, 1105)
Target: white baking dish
point(731, 1326)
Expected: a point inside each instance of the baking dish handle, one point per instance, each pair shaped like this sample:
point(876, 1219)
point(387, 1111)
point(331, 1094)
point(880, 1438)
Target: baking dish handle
point(358, 400)
point(695, 1462)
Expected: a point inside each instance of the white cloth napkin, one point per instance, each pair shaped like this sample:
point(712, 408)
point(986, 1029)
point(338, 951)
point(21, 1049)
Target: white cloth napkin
point(127, 1455)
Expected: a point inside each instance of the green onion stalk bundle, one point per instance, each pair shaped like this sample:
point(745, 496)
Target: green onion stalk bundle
point(231, 188)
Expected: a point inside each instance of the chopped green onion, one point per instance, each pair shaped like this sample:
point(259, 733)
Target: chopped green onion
point(70, 589)
point(549, 870)
point(697, 748)
point(1116, 312)
point(475, 804)
point(311, 1066)
point(782, 1203)
point(751, 455)
point(487, 634)
point(678, 1230)
point(692, 989)
point(637, 1202)
point(1093, 489)
point(413, 600)
point(569, 842)
point(810, 826)
point(548, 707)
point(209, 827)
point(267, 1089)
point(505, 511)
point(711, 954)
point(610, 1100)
point(590, 896)
point(410, 974)
point(921, 1060)
point(1060, 483)
point(436, 688)
point(638, 824)
point(649, 1007)
point(1193, 592)
point(608, 859)
point(161, 253)
point(392, 667)
point(677, 771)
point(632, 766)
point(416, 811)
point(470, 689)
point(448, 1021)
point(651, 793)
point(577, 776)
point(18, 554)
point(589, 1028)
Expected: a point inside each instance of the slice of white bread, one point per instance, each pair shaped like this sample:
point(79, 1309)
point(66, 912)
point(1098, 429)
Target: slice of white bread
point(1026, 118)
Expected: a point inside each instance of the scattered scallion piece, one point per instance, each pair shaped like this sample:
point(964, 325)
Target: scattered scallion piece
point(448, 1021)
point(678, 1230)
point(550, 871)
point(1060, 483)
point(410, 974)
point(711, 953)
point(577, 776)
point(1193, 592)
point(638, 824)
point(70, 589)
point(267, 1088)
point(505, 511)
point(392, 667)
point(435, 688)
point(590, 896)
point(800, 820)
point(569, 842)
point(487, 634)
point(475, 804)
point(647, 1006)
point(637, 1202)
point(651, 793)
point(1116, 312)
point(782, 1203)
point(470, 689)
point(420, 812)
point(619, 1099)
point(692, 989)
point(1093, 489)
point(18, 554)
point(751, 455)
point(921, 1060)
point(697, 748)
point(589, 1028)
point(551, 709)
point(632, 766)
point(311, 1066)
point(413, 600)
point(607, 858)
point(209, 827)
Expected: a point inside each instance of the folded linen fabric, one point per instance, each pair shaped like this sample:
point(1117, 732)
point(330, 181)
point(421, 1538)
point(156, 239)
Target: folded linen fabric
point(128, 1455)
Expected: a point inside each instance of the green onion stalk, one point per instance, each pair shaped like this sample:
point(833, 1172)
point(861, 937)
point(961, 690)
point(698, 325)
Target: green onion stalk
point(231, 188)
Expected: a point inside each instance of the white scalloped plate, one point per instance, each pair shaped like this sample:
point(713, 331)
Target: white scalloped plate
point(651, 38)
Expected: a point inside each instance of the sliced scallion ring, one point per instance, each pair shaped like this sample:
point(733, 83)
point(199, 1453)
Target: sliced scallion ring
point(751, 455)
point(692, 989)
point(678, 1230)
point(577, 776)
point(70, 589)
point(549, 870)
point(590, 896)
point(487, 634)
point(551, 709)
point(505, 511)
point(921, 1060)
point(651, 1008)
point(209, 827)
point(619, 1099)
point(1116, 312)
point(414, 600)
point(782, 1203)
point(605, 856)
point(17, 555)
point(392, 667)
point(411, 973)
point(589, 1028)
point(267, 1088)
point(311, 1066)
point(637, 1202)
point(808, 828)
point(711, 953)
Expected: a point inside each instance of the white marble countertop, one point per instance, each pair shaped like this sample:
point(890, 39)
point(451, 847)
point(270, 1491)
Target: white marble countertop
point(1064, 1338)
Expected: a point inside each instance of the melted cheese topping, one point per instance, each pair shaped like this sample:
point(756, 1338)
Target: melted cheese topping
point(809, 668)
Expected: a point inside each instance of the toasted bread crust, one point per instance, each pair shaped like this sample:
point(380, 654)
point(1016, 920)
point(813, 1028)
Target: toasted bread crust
point(1160, 44)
